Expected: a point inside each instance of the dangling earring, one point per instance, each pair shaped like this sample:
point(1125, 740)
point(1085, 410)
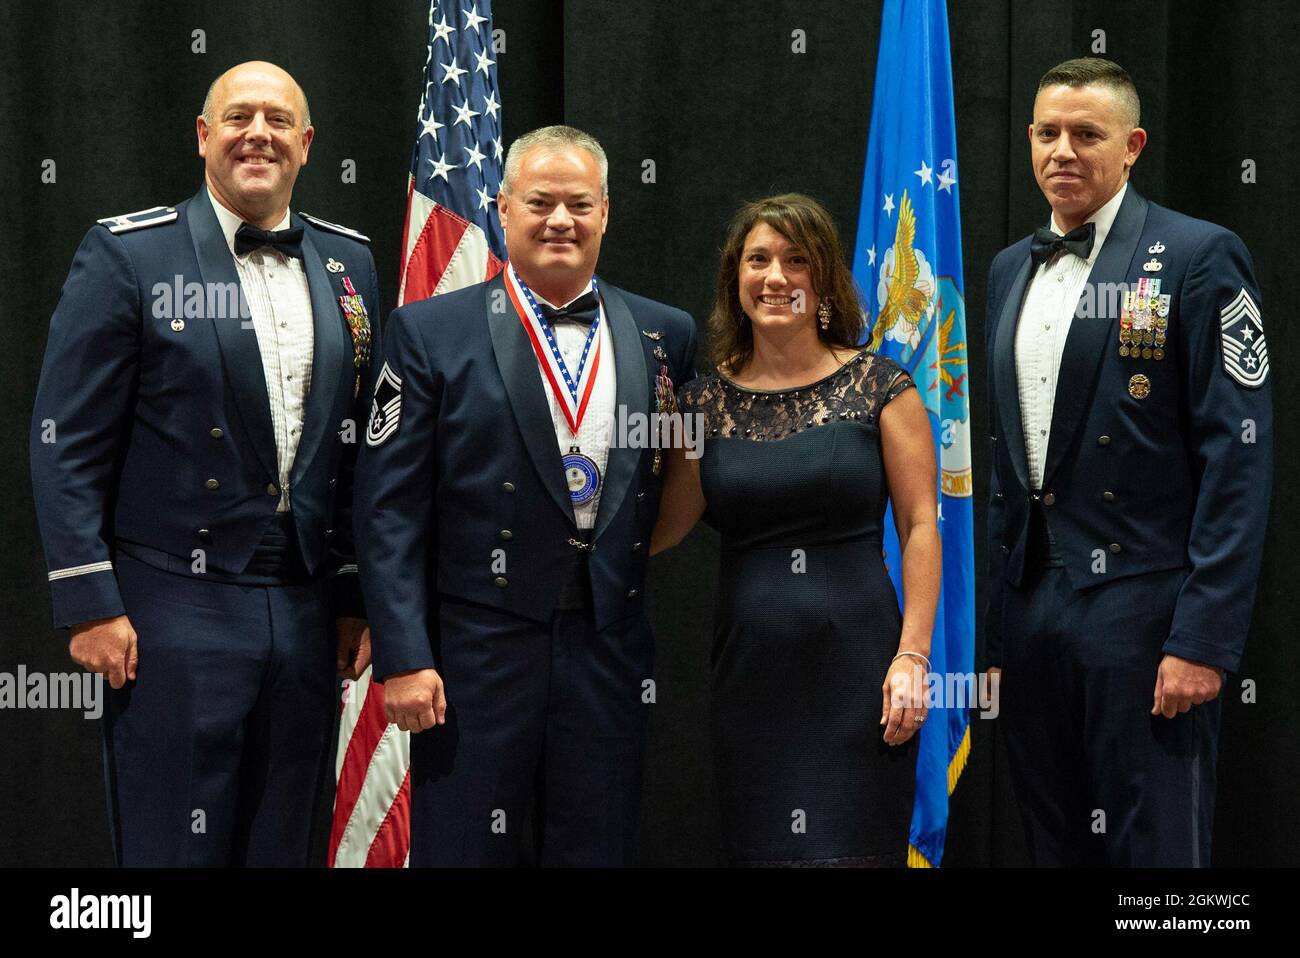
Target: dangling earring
point(824, 315)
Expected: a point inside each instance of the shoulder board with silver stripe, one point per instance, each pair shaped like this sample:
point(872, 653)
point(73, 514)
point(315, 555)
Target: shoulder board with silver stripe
point(127, 222)
point(335, 228)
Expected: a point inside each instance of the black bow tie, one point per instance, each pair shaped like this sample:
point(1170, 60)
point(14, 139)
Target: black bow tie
point(288, 242)
point(582, 310)
point(1047, 244)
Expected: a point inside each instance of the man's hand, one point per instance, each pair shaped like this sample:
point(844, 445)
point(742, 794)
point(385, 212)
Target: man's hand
point(1180, 684)
point(106, 646)
point(354, 646)
point(415, 700)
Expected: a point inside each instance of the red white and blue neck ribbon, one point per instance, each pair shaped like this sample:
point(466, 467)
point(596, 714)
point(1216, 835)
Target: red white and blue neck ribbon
point(572, 390)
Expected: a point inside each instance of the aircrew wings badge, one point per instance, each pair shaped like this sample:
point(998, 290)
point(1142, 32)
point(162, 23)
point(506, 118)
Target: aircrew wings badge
point(1245, 354)
point(386, 410)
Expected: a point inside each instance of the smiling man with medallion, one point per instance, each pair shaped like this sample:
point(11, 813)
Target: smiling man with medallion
point(506, 531)
point(1132, 464)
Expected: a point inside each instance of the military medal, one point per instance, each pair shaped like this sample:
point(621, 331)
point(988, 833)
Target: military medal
point(1126, 322)
point(1139, 386)
point(665, 403)
point(354, 311)
point(581, 475)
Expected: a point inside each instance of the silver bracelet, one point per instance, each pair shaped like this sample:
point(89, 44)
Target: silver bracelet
point(915, 655)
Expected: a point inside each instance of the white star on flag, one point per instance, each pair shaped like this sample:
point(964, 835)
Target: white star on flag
point(924, 173)
point(475, 157)
point(946, 181)
point(490, 105)
point(453, 71)
point(484, 201)
point(441, 167)
point(431, 127)
point(483, 62)
point(464, 114)
point(472, 19)
point(871, 256)
point(442, 31)
point(889, 204)
point(496, 147)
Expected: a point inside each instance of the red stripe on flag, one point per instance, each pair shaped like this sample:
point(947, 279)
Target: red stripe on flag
point(432, 252)
point(393, 839)
point(370, 726)
point(406, 224)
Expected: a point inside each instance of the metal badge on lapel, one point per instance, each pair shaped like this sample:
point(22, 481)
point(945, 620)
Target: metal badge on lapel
point(334, 266)
point(177, 325)
point(354, 310)
point(1139, 386)
point(655, 335)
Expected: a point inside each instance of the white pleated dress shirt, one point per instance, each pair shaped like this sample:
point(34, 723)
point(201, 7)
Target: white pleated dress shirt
point(1045, 319)
point(279, 300)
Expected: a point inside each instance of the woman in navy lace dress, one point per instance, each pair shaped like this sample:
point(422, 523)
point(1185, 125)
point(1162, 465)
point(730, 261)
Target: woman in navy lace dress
point(817, 681)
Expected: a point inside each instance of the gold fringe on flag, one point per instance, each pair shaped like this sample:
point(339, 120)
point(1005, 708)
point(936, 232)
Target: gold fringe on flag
point(915, 859)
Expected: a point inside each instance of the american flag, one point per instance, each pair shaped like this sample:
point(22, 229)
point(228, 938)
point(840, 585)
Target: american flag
point(452, 239)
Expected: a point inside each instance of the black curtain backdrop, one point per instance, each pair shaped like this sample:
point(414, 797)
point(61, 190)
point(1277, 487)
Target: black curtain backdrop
point(715, 95)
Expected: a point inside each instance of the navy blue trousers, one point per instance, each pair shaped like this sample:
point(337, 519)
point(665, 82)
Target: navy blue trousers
point(215, 754)
point(1099, 780)
point(539, 761)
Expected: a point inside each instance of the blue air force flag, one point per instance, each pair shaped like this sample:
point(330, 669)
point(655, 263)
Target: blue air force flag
point(907, 261)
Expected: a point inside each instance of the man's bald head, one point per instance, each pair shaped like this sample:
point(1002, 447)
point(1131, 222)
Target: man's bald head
point(254, 137)
point(213, 99)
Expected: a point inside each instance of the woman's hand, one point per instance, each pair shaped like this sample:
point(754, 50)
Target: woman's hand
point(903, 710)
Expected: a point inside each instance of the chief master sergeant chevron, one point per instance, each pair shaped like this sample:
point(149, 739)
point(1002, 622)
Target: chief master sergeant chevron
point(192, 445)
point(1132, 464)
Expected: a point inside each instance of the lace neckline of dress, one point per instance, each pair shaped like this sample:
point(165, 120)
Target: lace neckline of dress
point(848, 364)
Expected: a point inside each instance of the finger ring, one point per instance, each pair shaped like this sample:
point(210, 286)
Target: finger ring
point(918, 719)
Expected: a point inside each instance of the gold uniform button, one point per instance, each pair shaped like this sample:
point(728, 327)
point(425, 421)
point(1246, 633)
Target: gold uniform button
point(501, 582)
point(1049, 499)
point(632, 593)
point(1114, 547)
point(215, 433)
point(506, 534)
point(1103, 440)
point(212, 484)
point(1108, 496)
point(508, 487)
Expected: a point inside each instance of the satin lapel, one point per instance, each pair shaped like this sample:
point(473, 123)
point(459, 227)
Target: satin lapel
point(1004, 365)
point(527, 394)
point(1089, 336)
point(327, 364)
point(632, 395)
point(235, 334)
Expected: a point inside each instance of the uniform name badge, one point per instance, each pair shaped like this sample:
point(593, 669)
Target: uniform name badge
point(581, 475)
